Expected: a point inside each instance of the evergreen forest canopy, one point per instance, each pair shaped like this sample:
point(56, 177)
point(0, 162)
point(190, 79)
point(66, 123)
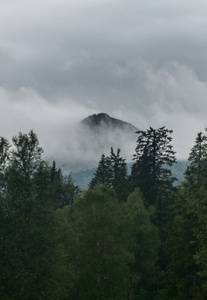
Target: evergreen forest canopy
point(128, 236)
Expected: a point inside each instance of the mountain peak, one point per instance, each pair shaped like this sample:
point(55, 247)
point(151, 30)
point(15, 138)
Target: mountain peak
point(103, 120)
point(97, 119)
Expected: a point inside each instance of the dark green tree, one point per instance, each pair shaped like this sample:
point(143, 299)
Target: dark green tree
point(27, 228)
point(103, 173)
point(187, 243)
point(196, 173)
point(57, 186)
point(195, 186)
point(182, 274)
point(119, 179)
point(154, 155)
point(151, 173)
point(112, 172)
point(63, 191)
point(4, 157)
point(200, 256)
point(71, 191)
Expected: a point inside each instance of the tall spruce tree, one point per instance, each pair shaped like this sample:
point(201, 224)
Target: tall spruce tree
point(151, 173)
point(154, 155)
point(57, 186)
point(119, 180)
point(187, 243)
point(195, 190)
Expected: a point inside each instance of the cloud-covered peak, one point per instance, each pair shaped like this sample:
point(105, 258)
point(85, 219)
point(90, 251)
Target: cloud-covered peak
point(102, 121)
point(143, 62)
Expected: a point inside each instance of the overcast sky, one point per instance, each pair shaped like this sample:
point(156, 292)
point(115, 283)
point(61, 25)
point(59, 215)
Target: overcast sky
point(142, 61)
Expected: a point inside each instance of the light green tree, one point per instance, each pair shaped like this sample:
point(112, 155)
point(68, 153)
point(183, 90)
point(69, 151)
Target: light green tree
point(100, 258)
point(143, 244)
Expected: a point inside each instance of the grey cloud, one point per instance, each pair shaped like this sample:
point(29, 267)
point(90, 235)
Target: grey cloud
point(141, 61)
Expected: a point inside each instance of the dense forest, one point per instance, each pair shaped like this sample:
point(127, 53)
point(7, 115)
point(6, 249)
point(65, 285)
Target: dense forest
point(126, 237)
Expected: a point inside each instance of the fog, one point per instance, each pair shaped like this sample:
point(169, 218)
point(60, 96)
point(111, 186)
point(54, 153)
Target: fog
point(143, 62)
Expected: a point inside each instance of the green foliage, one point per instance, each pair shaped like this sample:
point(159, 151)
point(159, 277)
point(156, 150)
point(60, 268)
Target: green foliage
point(183, 279)
point(143, 242)
point(103, 173)
point(26, 234)
point(108, 249)
point(96, 250)
point(59, 243)
point(63, 192)
point(201, 236)
point(195, 175)
point(119, 180)
point(26, 153)
point(28, 256)
point(153, 154)
point(112, 171)
point(187, 243)
point(151, 173)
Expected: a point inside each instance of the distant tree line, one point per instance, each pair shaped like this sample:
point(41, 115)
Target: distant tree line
point(128, 236)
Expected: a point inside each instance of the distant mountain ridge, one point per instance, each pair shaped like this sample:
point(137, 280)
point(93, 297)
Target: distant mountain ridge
point(97, 121)
point(84, 177)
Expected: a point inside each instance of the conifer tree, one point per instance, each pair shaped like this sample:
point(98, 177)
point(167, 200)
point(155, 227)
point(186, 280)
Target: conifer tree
point(154, 155)
point(151, 173)
point(196, 173)
point(112, 172)
point(71, 191)
point(187, 244)
point(195, 187)
point(103, 173)
point(119, 180)
point(57, 186)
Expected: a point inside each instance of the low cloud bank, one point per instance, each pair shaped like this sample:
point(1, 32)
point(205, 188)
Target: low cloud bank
point(171, 95)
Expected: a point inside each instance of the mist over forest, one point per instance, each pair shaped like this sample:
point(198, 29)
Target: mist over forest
point(132, 233)
point(103, 150)
point(95, 135)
